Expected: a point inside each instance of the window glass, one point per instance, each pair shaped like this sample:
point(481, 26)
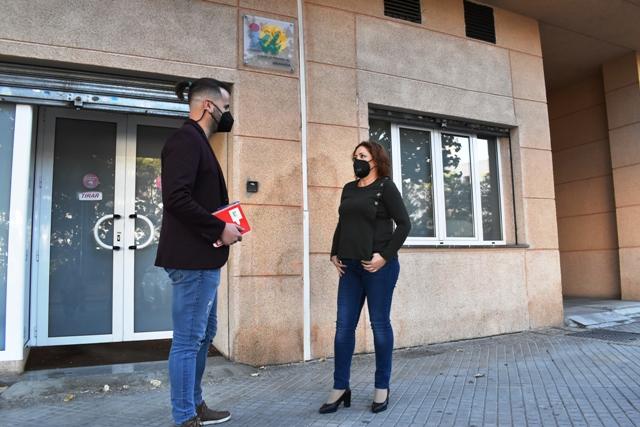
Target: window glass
point(458, 189)
point(380, 132)
point(7, 126)
point(417, 180)
point(487, 159)
point(454, 199)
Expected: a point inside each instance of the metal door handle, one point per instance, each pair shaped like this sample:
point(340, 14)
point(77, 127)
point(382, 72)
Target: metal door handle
point(152, 232)
point(96, 232)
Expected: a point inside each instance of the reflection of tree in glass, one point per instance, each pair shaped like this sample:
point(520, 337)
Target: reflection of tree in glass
point(417, 184)
point(491, 220)
point(4, 232)
point(148, 196)
point(72, 223)
point(488, 215)
point(457, 186)
point(487, 152)
point(80, 284)
point(380, 132)
point(152, 287)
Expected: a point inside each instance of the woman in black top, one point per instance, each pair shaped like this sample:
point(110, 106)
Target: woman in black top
point(365, 253)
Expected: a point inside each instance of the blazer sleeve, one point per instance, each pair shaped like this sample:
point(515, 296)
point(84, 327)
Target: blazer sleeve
point(180, 160)
point(394, 204)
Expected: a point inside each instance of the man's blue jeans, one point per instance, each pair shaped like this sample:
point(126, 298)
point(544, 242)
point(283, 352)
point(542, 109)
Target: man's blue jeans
point(355, 285)
point(194, 326)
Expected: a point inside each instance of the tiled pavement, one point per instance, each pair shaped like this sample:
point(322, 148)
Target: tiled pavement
point(527, 379)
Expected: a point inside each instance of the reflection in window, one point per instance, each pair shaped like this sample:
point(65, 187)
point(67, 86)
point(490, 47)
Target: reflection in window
point(81, 272)
point(152, 287)
point(7, 125)
point(417, 182)
point(487, 160)
point(455, 198)
point(380, 132)
point(458, 192)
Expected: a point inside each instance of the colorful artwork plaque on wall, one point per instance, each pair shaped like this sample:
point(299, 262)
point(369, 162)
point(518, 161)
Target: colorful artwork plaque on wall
point(268, 43)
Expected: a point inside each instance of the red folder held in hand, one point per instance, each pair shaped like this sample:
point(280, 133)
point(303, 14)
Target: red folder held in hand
point(232, 214)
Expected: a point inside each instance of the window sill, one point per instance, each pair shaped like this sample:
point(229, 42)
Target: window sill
point(511, 246)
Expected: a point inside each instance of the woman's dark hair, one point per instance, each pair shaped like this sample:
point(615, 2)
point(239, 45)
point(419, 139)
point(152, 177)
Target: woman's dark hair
point(379, 155)
point(197, 87)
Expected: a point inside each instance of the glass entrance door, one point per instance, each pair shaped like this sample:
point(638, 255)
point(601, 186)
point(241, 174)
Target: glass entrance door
point(100, 210)
point(148, 289)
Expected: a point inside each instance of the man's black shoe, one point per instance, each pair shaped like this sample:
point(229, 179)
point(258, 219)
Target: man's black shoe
point(209, 416)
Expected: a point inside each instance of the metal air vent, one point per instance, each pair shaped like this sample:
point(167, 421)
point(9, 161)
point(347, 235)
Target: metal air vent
point(408, 10)
point(479, 22)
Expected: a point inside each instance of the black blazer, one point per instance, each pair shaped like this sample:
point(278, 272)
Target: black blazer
point(193, 186)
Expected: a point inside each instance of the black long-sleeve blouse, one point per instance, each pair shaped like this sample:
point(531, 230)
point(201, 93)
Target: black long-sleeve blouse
point(366, 221)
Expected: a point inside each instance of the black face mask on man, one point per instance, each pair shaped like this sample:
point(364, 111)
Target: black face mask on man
point(224, 124)
point(226, 120)
point(361, 168)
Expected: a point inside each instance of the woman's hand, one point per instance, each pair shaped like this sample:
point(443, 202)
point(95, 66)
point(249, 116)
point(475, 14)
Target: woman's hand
point(376, 263)
point(339, 265)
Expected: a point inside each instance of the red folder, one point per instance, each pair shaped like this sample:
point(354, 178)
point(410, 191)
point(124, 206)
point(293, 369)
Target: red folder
point(232, 213)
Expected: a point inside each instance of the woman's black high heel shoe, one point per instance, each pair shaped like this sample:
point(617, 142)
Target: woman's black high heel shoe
point(379, 407)
point(328, 408)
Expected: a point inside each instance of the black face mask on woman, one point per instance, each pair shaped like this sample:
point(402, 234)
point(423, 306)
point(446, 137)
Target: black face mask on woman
point(361, 168)
point(226, 120)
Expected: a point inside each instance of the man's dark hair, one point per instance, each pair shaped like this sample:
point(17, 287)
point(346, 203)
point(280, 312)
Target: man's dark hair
point(198, 87)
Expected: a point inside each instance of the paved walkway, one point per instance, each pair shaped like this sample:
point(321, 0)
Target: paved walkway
point(535, 378)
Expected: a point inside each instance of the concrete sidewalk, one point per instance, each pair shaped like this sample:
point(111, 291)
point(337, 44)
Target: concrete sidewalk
point(599, 313)
point(550, 377)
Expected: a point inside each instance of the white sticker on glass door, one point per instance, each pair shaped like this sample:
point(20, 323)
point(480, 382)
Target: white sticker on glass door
point(90, 196)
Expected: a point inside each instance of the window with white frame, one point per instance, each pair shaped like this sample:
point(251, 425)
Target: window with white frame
point(449, 180)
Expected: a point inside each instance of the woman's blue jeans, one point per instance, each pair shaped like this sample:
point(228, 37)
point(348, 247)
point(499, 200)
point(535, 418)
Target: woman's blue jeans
point(355, 285)
point(194, 308)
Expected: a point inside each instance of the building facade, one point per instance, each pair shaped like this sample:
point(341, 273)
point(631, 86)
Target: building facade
point(484, 149)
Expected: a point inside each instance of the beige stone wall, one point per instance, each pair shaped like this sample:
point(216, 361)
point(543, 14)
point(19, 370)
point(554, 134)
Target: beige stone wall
point(355, 56)
point(622, 88)
point(144, 36)
point(265, 304)
point(433, 68)
point(584, 190)
point(260, 300)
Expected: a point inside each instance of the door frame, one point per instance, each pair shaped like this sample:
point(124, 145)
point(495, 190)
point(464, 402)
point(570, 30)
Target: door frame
point(42, 220)
point(123, 286)
point(133, 121)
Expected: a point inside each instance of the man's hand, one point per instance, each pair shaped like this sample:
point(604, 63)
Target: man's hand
point(231, 234)
point(376, 263)
point(338, 264)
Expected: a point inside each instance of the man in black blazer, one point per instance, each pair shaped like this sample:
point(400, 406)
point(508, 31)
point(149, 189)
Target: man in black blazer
point(193, 187)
